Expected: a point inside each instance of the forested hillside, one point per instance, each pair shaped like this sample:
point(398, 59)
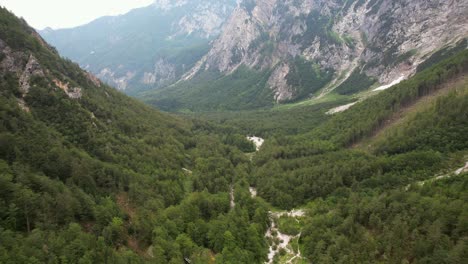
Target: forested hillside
point(292, 170)
point(357, 184)
point(88, 175)
point(354, 169)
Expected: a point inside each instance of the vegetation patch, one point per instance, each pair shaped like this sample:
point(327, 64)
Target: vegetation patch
point(356, 82)
point(307, 78)
point(289, 225)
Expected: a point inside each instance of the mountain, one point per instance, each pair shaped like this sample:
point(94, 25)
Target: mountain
point(148, 47)
point(211, 55)
point(303, 49)
point(89, 175)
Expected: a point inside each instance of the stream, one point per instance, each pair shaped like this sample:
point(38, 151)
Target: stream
point(285, 240)
point(273, 233)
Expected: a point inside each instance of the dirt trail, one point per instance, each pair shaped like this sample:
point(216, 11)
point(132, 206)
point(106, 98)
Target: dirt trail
point(232, 203)
point(444, 176)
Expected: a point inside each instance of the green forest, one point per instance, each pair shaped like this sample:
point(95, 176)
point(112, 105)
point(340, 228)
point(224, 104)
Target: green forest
point(104, 178)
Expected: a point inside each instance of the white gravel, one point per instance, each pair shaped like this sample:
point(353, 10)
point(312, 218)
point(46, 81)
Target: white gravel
point(257, 141)
point(284, 239)
point(340, 108)
point(395, 82)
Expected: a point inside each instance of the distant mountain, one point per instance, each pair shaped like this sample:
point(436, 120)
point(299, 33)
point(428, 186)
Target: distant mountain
point(299, 49)
point(148, 47)
point(230, 55)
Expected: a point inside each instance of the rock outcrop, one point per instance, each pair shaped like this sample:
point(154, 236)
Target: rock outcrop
point(175, 41)
point(22, 66)
point(72, 92)
point(32, 68)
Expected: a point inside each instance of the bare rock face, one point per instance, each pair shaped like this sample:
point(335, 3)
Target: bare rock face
point(12, 61)
point(73, 93)
point(23, 66)
point(93, 79)
point(164, 72)
point(169, 4)
point(277, 82)
point(385, 38)
point(22, 105)
point(118, 81)
point(33, 68)
point(206, 19)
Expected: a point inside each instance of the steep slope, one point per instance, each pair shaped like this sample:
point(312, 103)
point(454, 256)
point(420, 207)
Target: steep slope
point(306, 48)
point(316, 163)
point(148, 47)
point(399, 200)
point(88, 175)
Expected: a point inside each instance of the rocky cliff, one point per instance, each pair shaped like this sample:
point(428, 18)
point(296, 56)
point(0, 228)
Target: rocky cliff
point(263, 51)
point(383, 39)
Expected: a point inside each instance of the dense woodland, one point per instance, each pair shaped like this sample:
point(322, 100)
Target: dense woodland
point(243, 89)
point(101, 179)
point(291, 170)
point(106, 179)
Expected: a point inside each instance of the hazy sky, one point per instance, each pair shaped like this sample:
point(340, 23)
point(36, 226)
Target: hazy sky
point(68, 13)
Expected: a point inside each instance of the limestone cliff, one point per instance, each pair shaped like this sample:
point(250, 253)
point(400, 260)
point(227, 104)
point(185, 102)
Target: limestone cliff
point(384, 39)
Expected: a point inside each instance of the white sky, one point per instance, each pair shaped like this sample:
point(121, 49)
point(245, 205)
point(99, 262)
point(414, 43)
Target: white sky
point(68, 13)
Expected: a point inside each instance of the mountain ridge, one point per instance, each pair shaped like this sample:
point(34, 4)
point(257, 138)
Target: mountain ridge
point(314, 47)
point(151, 46)
point(305, 49)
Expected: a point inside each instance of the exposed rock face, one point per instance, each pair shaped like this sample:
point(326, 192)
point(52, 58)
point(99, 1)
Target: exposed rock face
point(118, 81)
point(73, 93)
point(93, 79)
point(33, 68)
point(22, 105)
point(23, 66)
point(177, 40)
point(164, 72)
point(169, 4)
point(26, 66)
point(385, 38)
point(277, 82)
point(12, 61)
point(206, 18)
